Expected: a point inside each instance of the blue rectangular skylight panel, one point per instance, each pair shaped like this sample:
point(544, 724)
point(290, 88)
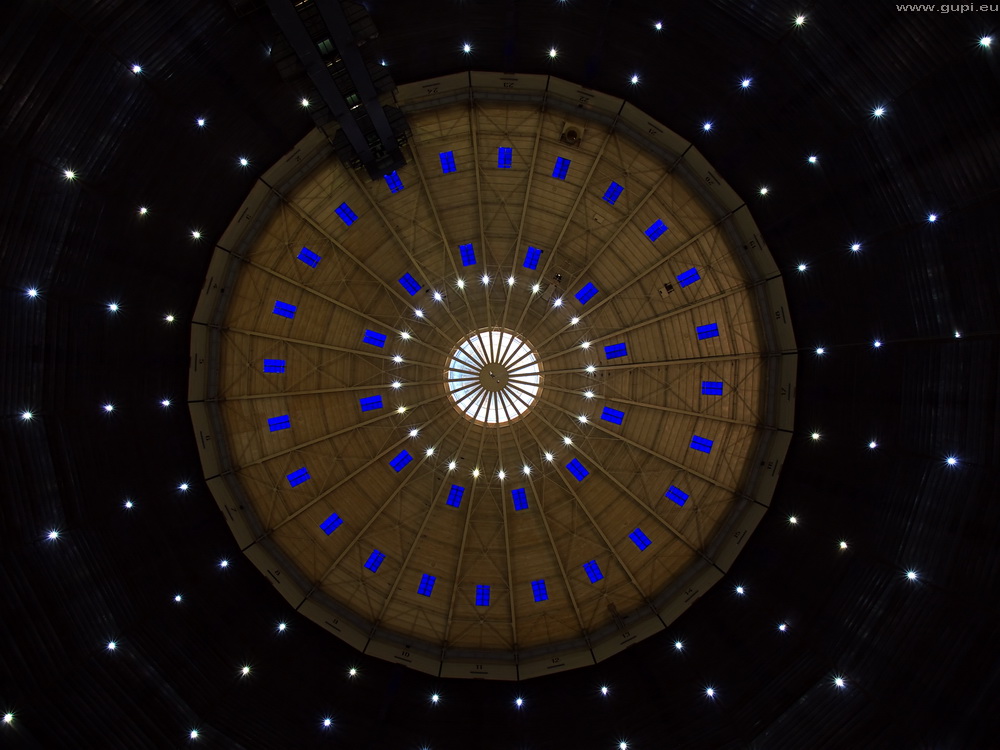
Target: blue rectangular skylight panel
point(447, 162)
point(531, 259)
point(711, 387)
point(678, 495)
point(374, 560)
point(468, 254)
point(278, 423)
point(346, 214)
point(561, 169)
point(410, 284)
point(455, 496)
point(274, 365)
point(708, 331)
point(331, 524)
point(401, 460)
point(298, 476)
point(656, 230)
point(612, 415)
point(586, 294)
point(520, 497)
point(539, 590)
point(702, 444)
point(284, 309)
point(688, 277)
point(593, 571)
point(370, 403)
point(308, 257)
point(577, 469)
point(505, 155)
point(482, 595)
point(395, 184)
point(640, 539)
point(612, 193)
point(426, 584)
point(613, 351)
point(373, 337)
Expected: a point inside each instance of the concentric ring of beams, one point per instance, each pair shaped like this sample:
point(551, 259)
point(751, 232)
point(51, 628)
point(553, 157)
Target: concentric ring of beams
point(514, 435)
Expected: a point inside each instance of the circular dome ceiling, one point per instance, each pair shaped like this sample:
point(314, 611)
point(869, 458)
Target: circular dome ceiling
point(512, 408)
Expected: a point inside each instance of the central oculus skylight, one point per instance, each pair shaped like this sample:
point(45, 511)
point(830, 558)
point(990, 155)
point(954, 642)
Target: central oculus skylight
point(493, 376)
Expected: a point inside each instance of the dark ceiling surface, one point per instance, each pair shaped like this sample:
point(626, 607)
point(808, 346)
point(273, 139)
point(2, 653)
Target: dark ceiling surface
point(920, 658)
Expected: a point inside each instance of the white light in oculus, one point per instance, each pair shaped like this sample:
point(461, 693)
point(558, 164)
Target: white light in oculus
point(466, 48)
point(765, 190)
point(958, 334)
point(112, 645)
point(493, 376)
point(706, 126)
point(401, 410)
point(485, 279)
point(460, 283)
point(783, 628)
point(877, 344)
point(27, 416)
point(113, 307)
point(710, 692)
point(843, 544)
point(951, 461)
point(590, 369)
point(588, 394)
point(437, 296)
point(195, 234)
point(184, 487)
point(839, 682)
point(813, 159)
point(8, 717)
point(553, 52)
point(985, 41)
point(604, 689)
point(429, 452)
point(244, 162)
point(165, 402)
point(201, 122)
point(304, 102)
point(634, 80)
point(878, 112)
point(519, 702)
point(109, 408)
point(282, 627)
point(53, 535)
point(245, 670)
point(932, 218)
point(143, 210)
point(793, 520)
point(405, 335)
point(873, 445)
point(799, 20)
point(557, 302)
point(535, 288)
point(69, 174)
point(549, 457)
point(501, 474)
point(802, 266)
point(740, 590)
point(855, 247)
point(396, 385)
point(745, 83)
point(414, 432)
point(223, 563)
point(137, 69)
point(526, 469)
point(567, 440)
point(418, 312)
point(178, 598)
point(194, 734)
point(911, 575)
point(397, 359)
point(623, 745)
point(327, 722)
point(353, 672)
point(658, 26)
point(820, 350)
point(31, 292)
point(129, 505)
point(452, 465)
point(678, 645)
point(435, 698)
